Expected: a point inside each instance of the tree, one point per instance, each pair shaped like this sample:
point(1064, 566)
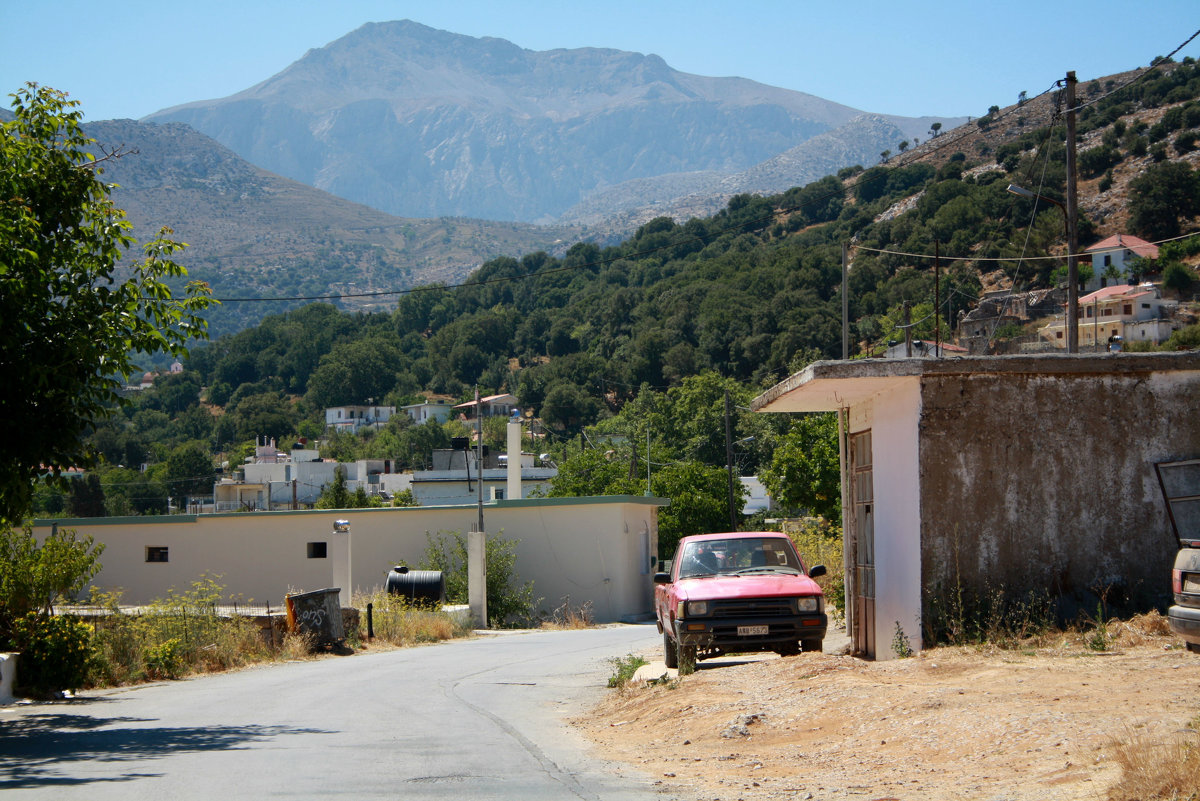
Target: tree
point(85, 497)
point(1178, 277)
point(190, 471)
point(804, 473)
point(34, 577)
point(935, 129)
point(336, 495)
point(1160, 196)
point(70, 323)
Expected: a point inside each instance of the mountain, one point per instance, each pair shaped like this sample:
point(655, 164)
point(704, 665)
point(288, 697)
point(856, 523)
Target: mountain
point(253, 233)
point(616, 211)
point(421, 122)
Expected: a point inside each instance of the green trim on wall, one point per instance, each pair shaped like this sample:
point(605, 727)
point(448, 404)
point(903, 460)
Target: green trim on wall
point(70, 522)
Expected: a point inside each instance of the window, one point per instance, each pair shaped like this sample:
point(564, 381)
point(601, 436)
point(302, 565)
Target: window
point(1089, 311)
point(1145, 305)
point(156, 554)
point(1108, 261)
point(1127, 308)
point(1107, 313)
point(1058, 335)
point(317, 550)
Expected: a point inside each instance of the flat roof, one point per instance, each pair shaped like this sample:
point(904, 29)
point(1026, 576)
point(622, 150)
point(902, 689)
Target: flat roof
point(826, 386)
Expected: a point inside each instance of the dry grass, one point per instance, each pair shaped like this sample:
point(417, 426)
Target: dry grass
point(400, 622)
point(1158, 770)
point(570, 617)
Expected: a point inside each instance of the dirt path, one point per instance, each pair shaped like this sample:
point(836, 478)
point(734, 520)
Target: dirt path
point(951, 723)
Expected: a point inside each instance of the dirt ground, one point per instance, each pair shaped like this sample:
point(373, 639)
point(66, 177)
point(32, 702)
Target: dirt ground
point(1041, 723)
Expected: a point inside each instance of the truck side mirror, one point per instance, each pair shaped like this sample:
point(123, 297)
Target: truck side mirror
point(816, 570)
point(662, 578)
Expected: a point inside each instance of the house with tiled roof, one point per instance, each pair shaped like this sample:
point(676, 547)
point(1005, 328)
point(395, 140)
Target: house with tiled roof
point(1134, 313)
point(1113, 257)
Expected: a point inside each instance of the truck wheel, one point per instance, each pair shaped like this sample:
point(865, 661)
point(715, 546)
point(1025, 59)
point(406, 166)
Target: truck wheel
point(670, 657)
point(789, 649)
point(811, 646)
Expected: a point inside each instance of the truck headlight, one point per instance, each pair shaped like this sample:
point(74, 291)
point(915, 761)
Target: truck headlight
point(808, 603)
point(696, 608)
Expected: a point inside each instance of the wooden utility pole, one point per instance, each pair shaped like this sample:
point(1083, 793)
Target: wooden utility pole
point(845, 303)
point(1072, 224)
point(733, 526)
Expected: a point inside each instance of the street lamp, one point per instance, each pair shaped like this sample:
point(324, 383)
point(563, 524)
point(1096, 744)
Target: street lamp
point(1072, 266)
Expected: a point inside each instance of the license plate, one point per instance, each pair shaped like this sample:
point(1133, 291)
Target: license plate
point(753, 631)
point(1191, 583)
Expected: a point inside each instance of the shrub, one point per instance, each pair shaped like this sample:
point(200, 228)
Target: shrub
point(820, 542)
point(55, 653)
point(509, 603)
point(399, 621)
point(623, 669)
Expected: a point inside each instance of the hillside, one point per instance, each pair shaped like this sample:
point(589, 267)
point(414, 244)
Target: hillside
point(426, 123)
point(252, 233)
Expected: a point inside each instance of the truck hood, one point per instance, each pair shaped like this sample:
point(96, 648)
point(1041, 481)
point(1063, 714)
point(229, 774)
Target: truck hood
point(749, 585)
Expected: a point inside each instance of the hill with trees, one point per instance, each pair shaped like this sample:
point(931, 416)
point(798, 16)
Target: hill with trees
point(624, 353)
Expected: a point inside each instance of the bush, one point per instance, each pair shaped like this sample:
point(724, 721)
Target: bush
point(55, 653)
point(820, 543)
point(398, 621)
point(509, 603)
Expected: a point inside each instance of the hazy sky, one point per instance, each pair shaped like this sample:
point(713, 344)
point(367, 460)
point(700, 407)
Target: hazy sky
point(134, 57)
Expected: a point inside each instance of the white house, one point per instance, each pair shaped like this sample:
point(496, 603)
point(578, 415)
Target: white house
point(433, 409)
point(352, 418)
point(1113, 257)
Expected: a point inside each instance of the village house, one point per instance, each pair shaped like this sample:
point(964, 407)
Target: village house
point(1113, 260)
point(1134, 313)
point(352, 418)
point(429, 410)
point(1010, 475)
point(491, 406)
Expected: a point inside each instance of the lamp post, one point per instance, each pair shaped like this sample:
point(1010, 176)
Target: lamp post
point(1072, 267)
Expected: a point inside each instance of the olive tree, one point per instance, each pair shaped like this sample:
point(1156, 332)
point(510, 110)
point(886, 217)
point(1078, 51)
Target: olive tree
point(74, 309)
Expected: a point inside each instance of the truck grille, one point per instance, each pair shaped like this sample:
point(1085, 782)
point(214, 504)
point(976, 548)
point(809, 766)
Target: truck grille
point(753, 607)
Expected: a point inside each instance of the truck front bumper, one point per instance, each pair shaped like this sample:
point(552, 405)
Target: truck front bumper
point(726, 634)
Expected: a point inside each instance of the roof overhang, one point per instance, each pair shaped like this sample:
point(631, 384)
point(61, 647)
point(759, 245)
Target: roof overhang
point(830, 385)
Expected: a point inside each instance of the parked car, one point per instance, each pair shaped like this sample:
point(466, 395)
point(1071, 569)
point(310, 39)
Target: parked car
point(1180, 482)
point(738, 592)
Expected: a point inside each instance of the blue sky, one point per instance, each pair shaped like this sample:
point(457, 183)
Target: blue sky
point(131, 58)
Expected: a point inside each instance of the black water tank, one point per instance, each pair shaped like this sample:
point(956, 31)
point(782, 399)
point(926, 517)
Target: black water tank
point(425, 586)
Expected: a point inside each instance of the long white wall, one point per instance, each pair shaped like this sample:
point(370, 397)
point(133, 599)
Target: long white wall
point(597, 550)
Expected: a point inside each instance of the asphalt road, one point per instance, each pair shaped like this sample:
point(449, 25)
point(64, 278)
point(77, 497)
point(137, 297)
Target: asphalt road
point(472, 719)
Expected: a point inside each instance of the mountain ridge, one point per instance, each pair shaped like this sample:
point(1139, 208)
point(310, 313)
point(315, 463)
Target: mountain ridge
point(424, 123)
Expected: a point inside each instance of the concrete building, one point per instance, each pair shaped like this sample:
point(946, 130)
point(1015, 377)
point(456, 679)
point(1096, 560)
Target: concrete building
point(601, 551)
point(352, 418)
point(1001, 474)
point(456, 473)
point(433, 409)
point(1113, 259)
point(491, 406)
point(1134, 313)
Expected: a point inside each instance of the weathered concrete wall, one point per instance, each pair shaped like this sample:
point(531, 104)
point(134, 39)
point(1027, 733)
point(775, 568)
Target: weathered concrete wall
point(1045, 481)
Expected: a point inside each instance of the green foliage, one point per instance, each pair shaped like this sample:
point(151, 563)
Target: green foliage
point(55, 653)
point(1160, 196)
point(819, 542)
point(623, 669)
point(400, 622)
point(804, 473)
point(34, 577)
point(190, 471)
point(165, 659)
point(1178, 277)
point(509, 602)
point(901, 647)
point(70, 320)
point(336, 495)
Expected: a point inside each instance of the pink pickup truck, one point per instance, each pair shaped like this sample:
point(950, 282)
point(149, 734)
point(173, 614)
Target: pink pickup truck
point(732, 593)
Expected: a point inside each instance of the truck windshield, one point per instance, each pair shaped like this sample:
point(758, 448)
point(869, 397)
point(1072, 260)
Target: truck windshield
point(742, 555)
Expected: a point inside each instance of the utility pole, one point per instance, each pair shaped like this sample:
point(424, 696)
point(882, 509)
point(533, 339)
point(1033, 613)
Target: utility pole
point(937, 299)
point(907, 331)
point(729, 463)
point(1072, 224)
point(479, 456)
point(845, 302)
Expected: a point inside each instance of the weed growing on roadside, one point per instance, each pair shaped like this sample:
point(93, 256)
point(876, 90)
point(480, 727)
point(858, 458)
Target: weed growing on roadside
point(1167, 769)
point(623, 669)
point(566, 616)
point(400, 621)
point(901, 647)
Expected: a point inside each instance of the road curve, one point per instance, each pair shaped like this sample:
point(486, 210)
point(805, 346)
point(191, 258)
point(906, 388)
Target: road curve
point(471, 719)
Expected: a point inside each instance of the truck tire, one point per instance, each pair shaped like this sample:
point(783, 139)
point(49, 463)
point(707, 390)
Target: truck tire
point(670, 655)
point(812, 646)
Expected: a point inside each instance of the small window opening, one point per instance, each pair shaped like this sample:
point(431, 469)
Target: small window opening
point(317, 550)
point(156, 554)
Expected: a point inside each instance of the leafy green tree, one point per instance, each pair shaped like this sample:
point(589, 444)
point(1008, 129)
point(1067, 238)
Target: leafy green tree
point(336, 495)
point(70, 321)
point(804, 473)
point(85, 497)
point(1160, 196)
point(699, 496)
point(33, 576)
point(1178, 277)
point(509, 602)
point(190, 471)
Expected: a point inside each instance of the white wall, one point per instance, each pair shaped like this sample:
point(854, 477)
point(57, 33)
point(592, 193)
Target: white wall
point(590, 549)
point(892, 418)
